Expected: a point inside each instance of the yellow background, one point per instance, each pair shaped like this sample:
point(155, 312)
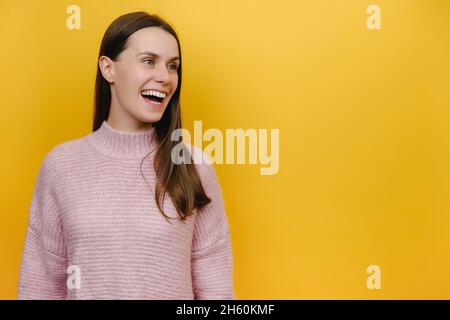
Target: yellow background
point(364, 132)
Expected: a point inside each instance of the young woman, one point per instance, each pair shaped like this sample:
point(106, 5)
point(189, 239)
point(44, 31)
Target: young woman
point(112, 216)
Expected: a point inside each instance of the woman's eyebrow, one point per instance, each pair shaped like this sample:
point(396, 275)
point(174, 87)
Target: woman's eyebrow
point(156, 56)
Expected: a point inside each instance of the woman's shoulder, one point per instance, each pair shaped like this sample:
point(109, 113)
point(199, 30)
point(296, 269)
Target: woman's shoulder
point(203, 163)
point(199, 157)
point(62, 154)
point(67, 149)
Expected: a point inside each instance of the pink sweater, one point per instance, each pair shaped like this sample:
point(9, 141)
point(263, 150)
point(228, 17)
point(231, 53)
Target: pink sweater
point(94, 215)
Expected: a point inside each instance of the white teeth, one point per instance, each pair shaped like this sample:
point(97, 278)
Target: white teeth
point(154, 93)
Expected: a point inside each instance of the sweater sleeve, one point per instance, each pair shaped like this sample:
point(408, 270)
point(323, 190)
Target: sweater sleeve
point(211, 250)
point(43, 266)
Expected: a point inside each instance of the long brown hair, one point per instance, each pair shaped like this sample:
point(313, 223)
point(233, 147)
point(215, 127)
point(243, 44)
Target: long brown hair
point(181, 181)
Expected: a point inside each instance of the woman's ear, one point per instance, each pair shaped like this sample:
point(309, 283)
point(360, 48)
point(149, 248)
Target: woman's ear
point(106, 67)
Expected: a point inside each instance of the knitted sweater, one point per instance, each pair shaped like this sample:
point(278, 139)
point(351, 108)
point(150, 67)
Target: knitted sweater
point(93, 216)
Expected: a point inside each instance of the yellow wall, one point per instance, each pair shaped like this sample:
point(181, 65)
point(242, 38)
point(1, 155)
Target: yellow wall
point(363, 115)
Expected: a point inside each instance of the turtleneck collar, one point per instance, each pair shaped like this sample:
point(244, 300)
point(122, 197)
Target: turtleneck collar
point(122, 145)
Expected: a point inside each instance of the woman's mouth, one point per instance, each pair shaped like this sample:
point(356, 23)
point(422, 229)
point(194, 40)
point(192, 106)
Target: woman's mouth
point(153, 97)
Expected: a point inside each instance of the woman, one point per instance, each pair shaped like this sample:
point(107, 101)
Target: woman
point(112, 216)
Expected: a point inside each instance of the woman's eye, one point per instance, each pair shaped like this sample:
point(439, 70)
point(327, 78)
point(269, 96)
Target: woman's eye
point(151, 62)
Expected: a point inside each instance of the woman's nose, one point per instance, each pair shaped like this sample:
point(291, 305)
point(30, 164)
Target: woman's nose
point(161, 74)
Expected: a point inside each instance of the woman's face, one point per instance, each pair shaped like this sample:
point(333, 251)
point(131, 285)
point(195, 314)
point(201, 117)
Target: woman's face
point(148, 64)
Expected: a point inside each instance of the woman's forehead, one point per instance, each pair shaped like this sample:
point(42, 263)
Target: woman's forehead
point(154, 40)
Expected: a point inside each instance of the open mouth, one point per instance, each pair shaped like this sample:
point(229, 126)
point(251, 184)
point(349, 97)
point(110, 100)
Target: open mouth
point(153, 96)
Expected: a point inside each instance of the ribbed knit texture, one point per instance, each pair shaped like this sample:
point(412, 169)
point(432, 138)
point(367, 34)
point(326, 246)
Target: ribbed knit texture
point(92, 208)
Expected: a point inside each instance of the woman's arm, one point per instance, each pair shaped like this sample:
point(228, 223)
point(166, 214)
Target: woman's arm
point(212, 261)
point(44, 263)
